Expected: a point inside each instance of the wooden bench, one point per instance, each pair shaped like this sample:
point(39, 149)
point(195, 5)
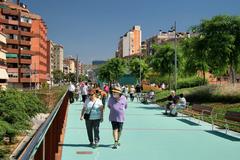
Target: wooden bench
point(230, 118)
point(198, 110)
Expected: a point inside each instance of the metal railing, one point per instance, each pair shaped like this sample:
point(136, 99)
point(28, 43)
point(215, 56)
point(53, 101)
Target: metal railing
point(44, 145)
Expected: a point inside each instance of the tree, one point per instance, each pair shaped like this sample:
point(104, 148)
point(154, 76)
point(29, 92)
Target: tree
point(136, 64)
point(221, 35)
point(111, 71)
point(195, 55)
point(70, 77)
point(57, 76)
point(163, 60)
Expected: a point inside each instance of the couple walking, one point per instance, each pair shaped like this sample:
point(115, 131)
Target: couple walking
point(93, 111)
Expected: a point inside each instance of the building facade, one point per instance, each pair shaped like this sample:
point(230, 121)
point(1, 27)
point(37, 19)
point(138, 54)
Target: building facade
point(69, 65)
point(26, 48)
point(130, 43)
point(162, 38)
point(55, 57)
point(3, 62)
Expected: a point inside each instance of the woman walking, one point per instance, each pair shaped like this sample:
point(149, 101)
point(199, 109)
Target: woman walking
point(92, 112)
point(117, 105)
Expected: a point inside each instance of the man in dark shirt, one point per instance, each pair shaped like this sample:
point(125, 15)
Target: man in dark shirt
point(172, 99)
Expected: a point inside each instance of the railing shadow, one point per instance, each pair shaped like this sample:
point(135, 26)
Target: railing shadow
point(225, 136)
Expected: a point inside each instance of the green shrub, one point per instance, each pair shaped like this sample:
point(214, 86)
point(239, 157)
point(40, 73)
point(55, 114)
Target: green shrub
point(190, 82)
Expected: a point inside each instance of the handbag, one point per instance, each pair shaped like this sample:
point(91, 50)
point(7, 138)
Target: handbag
point(87, 115)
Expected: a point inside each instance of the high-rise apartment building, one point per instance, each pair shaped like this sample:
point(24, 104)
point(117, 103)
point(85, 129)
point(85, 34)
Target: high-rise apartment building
point(26, 35)
point(130, 43)
point(3, 62)
point(56, 55)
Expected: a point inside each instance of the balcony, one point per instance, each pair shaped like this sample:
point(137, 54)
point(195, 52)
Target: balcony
point(11, 50)
point(10, 31)
point(24, 24)
point(12, 60)
point(3, 20)
point(27, 52)
point(12, 70)
point(12, 41)
point(25, 80)
point(25, 61)
point(13, 80)
point(10, 12)
point(25, 70)
point(26, 43)
point(13, 22)
point(23, 33)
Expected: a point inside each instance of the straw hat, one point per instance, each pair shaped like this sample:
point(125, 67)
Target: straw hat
point(117, 90)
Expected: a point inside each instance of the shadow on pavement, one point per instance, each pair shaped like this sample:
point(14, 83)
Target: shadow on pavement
point(86, 145)
point(152, 108)
point(223, 135)
point(188, 122)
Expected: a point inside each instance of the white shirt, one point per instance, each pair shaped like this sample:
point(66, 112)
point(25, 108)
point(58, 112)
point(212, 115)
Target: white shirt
point(84, 90)
point(96, 112)
point(71, 88)
point(182, 101)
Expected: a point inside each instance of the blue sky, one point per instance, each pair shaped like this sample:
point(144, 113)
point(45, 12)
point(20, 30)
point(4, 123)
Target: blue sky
point(91, 28)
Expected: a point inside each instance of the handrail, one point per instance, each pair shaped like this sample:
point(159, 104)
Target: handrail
point(41, 132)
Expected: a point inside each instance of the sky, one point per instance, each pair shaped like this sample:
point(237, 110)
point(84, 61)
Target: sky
point(90, 29)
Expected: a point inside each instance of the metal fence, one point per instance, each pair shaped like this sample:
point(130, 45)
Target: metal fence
point(45, 144)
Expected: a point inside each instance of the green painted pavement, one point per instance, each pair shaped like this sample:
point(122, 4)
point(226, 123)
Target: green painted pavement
point(148, 134)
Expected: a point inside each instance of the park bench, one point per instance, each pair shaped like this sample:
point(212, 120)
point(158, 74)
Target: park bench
point(230, 118)
point(198, 110)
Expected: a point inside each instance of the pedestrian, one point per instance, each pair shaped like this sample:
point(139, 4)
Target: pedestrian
point(71, 90)
point(138, 92)
point(92, 112)
point(84, 91)
point(132, 92)
point(117, 105)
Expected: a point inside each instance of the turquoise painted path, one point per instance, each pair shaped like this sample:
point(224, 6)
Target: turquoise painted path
point(148, 135)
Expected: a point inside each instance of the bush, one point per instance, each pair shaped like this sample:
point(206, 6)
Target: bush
point(16, 110)
point(190, 82)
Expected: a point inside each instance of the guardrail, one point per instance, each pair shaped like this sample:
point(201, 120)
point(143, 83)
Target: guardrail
point(44, 145)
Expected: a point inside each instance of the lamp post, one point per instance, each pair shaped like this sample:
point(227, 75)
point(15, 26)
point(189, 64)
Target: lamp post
point(174, 29)
point(140, 74)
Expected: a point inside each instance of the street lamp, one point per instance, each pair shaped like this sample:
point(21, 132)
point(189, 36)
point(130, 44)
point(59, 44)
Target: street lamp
point(174, 29)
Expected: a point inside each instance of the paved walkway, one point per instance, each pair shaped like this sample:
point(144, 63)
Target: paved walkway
point(148, 135)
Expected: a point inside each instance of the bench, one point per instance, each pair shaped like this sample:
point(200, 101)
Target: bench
point(230, 118)
point(198, 110)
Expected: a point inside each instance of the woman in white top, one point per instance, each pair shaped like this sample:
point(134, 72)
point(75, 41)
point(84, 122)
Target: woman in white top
point(94, 107)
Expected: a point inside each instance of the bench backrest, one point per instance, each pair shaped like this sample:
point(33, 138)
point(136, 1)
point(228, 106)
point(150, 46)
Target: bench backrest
point(233, 116)
point(199, 108)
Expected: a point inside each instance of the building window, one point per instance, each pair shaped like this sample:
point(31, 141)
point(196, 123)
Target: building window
point(25, 38)
point(25, 29)
point(25, 75)
point(26, 56)
point(13, 75)
point(12, 36)
point(26, 19)
point(12, 65)
point(27, 66)
point(13, 46)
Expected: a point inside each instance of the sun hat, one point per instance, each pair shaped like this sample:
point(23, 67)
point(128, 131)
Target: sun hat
point(116, 90)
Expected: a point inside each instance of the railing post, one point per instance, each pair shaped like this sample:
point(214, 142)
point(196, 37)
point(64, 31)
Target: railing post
point(44, 149)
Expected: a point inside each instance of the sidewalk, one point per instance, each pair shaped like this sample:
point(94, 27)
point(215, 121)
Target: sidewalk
point(148, 135)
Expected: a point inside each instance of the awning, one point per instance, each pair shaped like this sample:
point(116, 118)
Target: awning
point(3, 74)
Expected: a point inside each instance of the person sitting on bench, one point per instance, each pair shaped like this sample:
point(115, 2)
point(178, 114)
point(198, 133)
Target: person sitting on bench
point(172, 100)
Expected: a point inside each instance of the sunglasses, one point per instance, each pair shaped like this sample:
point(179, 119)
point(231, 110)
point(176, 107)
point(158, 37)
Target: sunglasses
point(90, 94)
